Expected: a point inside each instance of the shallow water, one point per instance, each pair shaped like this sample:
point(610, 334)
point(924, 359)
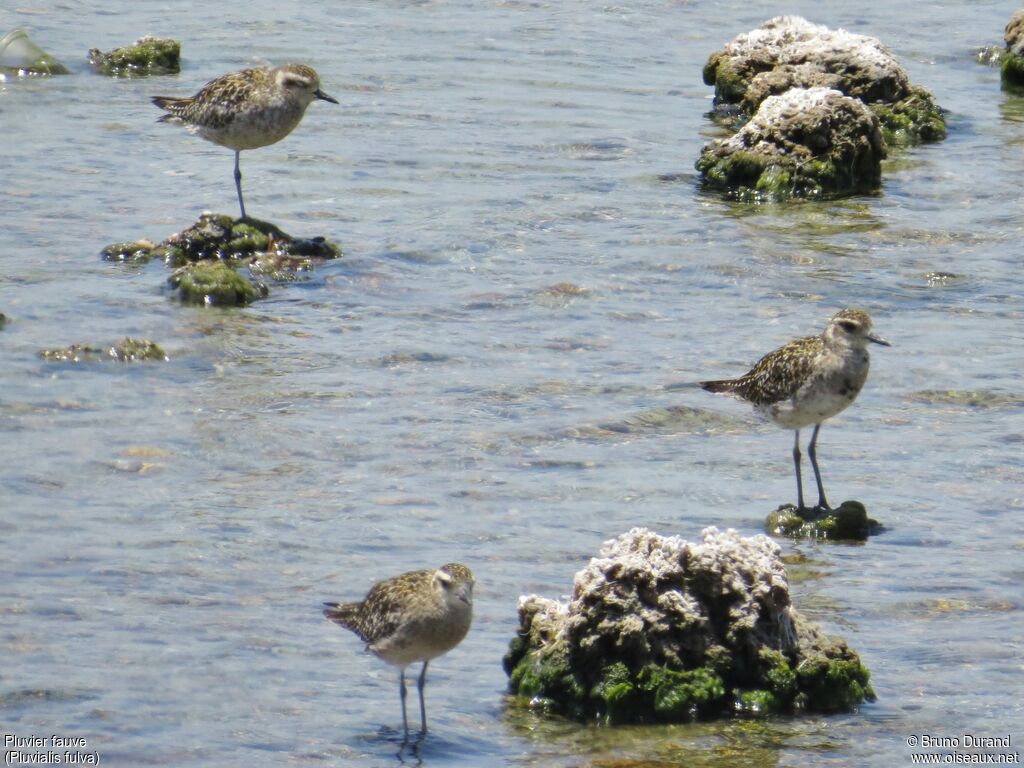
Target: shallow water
point(482, 378)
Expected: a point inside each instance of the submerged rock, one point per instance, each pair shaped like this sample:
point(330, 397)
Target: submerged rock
point(146, 56)
point(847, 522)
point(207, 254)
point(216, 284)
point(803, 143)
point(662, 629)
point(127, 350)
point(19, 56)
point(790, 52)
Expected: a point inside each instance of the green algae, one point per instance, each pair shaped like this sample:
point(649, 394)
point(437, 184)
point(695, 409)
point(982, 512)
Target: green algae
point(914, 119)
point(847, 522)
point(207, 255)
point(754, 177)
point(730, 80)
point(214, 283)
point(131, 251)
point(1012, 70)
point(219, 236)
point(659, 630)
point(127, 350)
point(831, 679)
point(827, 678)
point(146, 56)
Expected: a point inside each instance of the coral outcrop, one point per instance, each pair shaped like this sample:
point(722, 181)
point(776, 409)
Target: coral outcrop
point(790, 52)
point(659, 629)
point(804, 143)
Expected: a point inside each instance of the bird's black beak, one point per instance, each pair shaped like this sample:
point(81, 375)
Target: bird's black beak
point(321, 95)
point(878, 340)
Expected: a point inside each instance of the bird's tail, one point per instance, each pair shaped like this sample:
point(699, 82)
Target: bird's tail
point(173, 106)
point(722, 385)
point(342, 613)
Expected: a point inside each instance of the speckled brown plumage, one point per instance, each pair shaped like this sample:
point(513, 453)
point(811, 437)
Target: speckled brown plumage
point(416, 616)
point(246, 109)
point(776, 376)
point(808, 380)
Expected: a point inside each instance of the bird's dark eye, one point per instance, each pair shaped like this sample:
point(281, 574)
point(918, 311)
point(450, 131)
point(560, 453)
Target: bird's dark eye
point(848, 325)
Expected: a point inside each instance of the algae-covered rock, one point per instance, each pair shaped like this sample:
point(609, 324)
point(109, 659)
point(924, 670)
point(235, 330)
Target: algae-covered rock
point(804, 143)
point(790, 52)
point(133, 251)
point(207, 255)
point(847, 522)
point(1012, 65)
point(662, 629)
point(127, 350)
point(21, 57)
point(214, 283)
point(218, 236)
point(146, 56)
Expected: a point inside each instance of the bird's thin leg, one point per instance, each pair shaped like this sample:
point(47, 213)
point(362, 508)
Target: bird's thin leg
point(238, 182)
point(812, 452)
point(796, 464)
point(423, 707)
point(402, 692)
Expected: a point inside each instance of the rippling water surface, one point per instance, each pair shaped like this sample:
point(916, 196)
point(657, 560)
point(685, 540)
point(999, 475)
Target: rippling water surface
point(482, 378)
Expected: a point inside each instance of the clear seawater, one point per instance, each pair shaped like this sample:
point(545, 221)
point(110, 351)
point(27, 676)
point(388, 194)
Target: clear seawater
point(529, 262)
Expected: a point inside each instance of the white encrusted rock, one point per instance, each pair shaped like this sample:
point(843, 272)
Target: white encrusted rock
point(790, 52)
point(659, 628)
point(804, 142)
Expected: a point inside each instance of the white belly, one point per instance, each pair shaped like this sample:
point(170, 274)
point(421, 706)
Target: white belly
point(813, 409)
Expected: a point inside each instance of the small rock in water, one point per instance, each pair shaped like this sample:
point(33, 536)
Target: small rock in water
point(663, 629)
point(127, 350)
point(207, 255)
point(847, 522)
point(216, 284)
point(146, 56)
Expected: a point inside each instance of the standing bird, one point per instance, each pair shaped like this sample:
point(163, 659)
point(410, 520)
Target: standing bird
point(413, 617)
point(807, 381)
point(247, 109)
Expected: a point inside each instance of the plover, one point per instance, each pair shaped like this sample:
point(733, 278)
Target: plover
point(807, 381)
point(247, 109)
point(417, 616)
